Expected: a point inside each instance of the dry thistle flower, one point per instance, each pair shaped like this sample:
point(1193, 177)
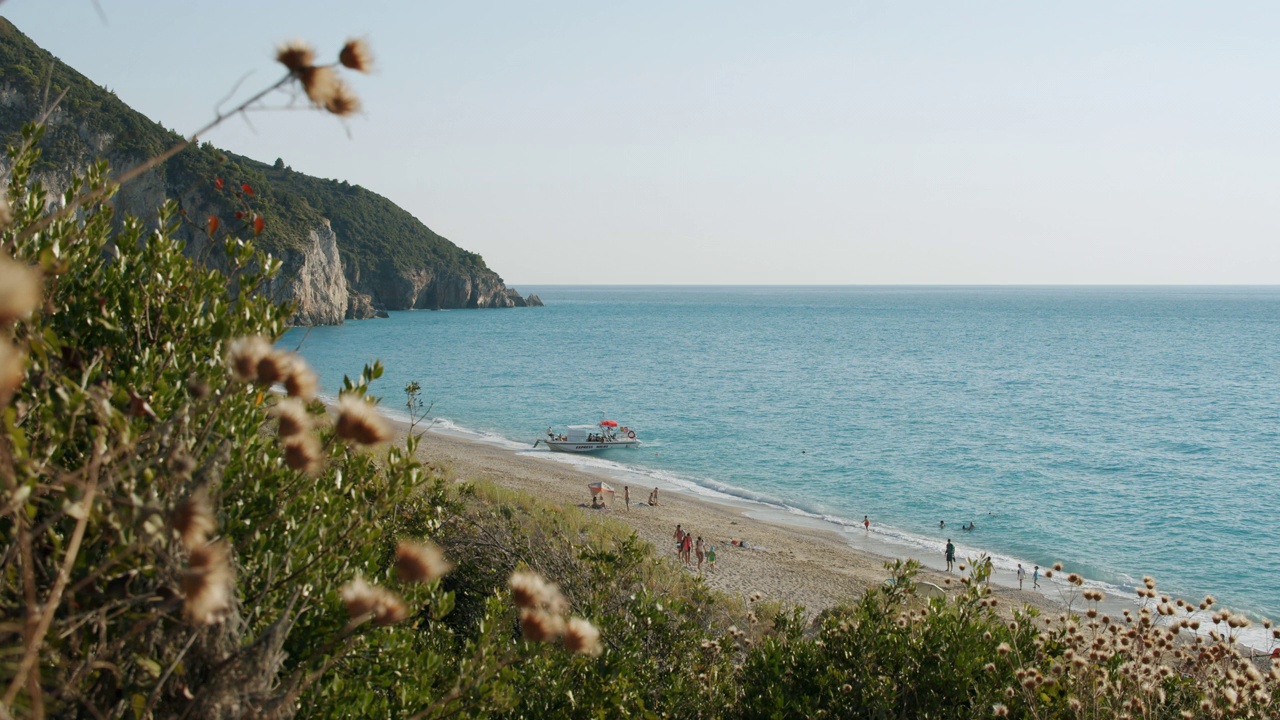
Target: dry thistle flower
point(293, 417)
point(243, 355)
point(528, 589)
point(296, 55)
point(999, 710)
point(319, 83)
point(420, 562)
point(193, 519)
point(13, 367)
point(198, 389)
point(356, 55)
point(343, 102)
point(207, 584)
point(361, 599)
point(582, 637)
point(359, 421)
point(1057, 566)
point(540, 625)
point(301, 382)
point(20, 289)
point(303, 453)
point(274, 366)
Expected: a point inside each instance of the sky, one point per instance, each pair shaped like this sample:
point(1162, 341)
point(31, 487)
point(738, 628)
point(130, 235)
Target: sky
point(744, 142)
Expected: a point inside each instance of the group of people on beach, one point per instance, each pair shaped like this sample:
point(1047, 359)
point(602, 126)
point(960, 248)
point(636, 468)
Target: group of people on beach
point(687, 546)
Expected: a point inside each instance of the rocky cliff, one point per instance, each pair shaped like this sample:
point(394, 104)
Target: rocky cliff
point(346, 252)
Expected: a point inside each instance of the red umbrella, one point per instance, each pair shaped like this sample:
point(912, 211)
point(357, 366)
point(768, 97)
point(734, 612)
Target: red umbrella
point(608, 423)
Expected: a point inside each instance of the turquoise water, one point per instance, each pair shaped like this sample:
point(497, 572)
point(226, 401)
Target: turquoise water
point(1122, 431)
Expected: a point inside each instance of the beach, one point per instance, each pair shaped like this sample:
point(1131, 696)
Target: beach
point(812, 567)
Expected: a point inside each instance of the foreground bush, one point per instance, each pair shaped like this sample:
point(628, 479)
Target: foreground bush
point(178, 539)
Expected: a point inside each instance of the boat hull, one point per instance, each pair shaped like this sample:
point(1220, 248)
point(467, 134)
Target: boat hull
point(588, 447)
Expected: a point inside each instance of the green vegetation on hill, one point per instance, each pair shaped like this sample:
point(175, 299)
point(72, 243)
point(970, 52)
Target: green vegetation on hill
point(374, 232)
point(388, 235)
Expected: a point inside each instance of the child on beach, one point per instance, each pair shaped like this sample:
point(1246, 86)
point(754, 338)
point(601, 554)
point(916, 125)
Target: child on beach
point(1022, 573)
point(711, 558)
point(1035, 577)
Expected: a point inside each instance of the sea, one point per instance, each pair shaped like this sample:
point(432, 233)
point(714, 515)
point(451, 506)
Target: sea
point(1120, 431)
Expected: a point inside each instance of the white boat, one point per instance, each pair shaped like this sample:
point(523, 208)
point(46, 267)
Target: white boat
point(590, 438)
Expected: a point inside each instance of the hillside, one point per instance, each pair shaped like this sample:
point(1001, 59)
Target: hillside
point(348, 252)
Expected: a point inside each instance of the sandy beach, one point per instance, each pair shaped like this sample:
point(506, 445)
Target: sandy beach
point(808, 566)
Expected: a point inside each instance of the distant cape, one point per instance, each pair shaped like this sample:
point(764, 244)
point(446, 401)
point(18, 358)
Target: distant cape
point(347, 252)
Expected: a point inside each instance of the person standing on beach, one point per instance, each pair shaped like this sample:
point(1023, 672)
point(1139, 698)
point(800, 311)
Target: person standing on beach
point(1022, 574)
point(951, 554)
point(697, 549)
point(711, 558)
point(626, 497)
point(1035, 577)
point(679, 536)
point(686, 549)
point(866, 523)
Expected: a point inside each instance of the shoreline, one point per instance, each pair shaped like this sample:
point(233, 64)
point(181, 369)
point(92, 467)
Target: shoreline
point(800, 561)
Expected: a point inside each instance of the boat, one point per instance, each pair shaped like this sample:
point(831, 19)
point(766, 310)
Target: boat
point(608, 435)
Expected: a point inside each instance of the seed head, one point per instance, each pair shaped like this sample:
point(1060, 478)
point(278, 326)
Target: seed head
point(359, 421)
point(207, 584)
point(343, 102)
point(302, 452)
point(292, 416)
point(356, 55)
point(582, 637)
point(20, 289)
point(296, 55)
point(529, 591)
point(193, 519)
point(361, 598)
point(274, 367)
point(420, 562)
point(301, 382)
point(319, 83)
point(244, 353)
point(1057, 566)
point(1000, 710)
point(198, 389)
point(540, 625)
